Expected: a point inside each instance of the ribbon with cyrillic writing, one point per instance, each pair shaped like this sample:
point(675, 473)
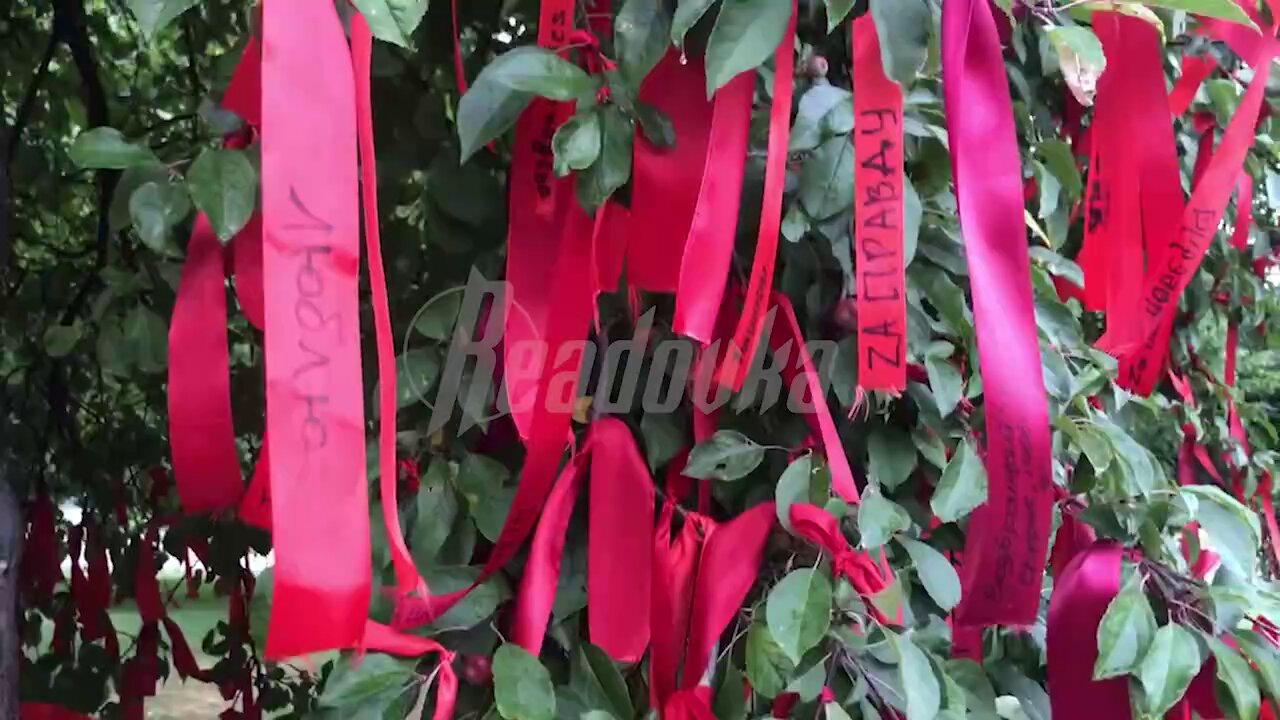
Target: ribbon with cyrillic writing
point(1008, 536)
point(1177, 264)
point(746, 336)
point(878, 216)
point(315, 413)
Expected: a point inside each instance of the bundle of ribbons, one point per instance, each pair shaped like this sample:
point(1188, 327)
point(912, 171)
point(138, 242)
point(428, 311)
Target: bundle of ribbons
point(1142, 246)
point(303, 89)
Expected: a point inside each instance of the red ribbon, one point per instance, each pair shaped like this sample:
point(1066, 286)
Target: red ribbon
point(746, 336)
point(709, 247)
point(878, 224)
point(1177, 263)
point(311, 256)
point(665, 182)
point(619, 551)
point(785, 334)
point(550, 236)
point(867, 576)
point(1080, 598)
point(41, 571)
point(1007, 537)
point(206, 463)
point(407, 578)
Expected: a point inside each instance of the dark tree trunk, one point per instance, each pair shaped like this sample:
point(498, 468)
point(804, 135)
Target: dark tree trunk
point(11, 531)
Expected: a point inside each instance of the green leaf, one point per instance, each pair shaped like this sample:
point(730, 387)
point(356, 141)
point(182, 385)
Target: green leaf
point(688, 13)
point(816, 104)
point(612, 169)
point(393, 20)
point(727, 455)
point(833, 711)
point(60, 340)
point(1168, 668)
point(767, 665)
point(487, 111)
point(946, 383)
point(903, 28)
point(798, 611)
point(980, 697)
point(155, 208)
point(104, 148)
point(729, 703)
point(522, 686)
point(1265, 658)
point(1061, 162)
point(963, 486)
point(1237, 678)
point(577, 143)
point(919, 684)
point(478, 606)
point(745, 35)
point(224, 186)
point(879, 518)
point(837, 11)
point(374, 679)
point(112, 348)
point(482, 481)
point(655, 125)
point(935, 571)
point(416, 372)
point(663, 438)
point(596, 682)
point(892, 456)
point(130, 180)
point(1231, 528)
point(1223, 9)
point(641, 37)
point(540, 72)
point(148, 338)
point(912, 217)
point(437, 509)
point(805, 480)
point(1125, 633)
point(826, 179)
point(154, 15)
point(1081, 58)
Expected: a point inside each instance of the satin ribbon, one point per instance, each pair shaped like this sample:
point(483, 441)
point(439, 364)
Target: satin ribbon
point(407, 578)
point(1127, 175)
point(709, 246)
point(746, 336)
point(1007, 537)
point(1080, 598)
point(878, 216)
point(40, 569)
point(541, 206)
point(546, 223)
point(699, 582)
point(311, 253)
point(206, 464)
point(785, 333)
point(867, 576)
point(1165, 282)
point(619, 548)
point(665, 182)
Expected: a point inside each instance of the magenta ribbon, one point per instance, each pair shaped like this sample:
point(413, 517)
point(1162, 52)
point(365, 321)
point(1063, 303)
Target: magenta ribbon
point(1008, 536)
point(1080, 598)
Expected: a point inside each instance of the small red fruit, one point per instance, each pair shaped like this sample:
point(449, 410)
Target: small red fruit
point(845, 314)
point(477, 670)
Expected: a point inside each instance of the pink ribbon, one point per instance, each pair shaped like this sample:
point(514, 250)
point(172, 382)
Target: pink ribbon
point(1007, 537)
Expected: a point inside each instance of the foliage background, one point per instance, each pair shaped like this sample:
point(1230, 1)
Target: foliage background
point(89, 271)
